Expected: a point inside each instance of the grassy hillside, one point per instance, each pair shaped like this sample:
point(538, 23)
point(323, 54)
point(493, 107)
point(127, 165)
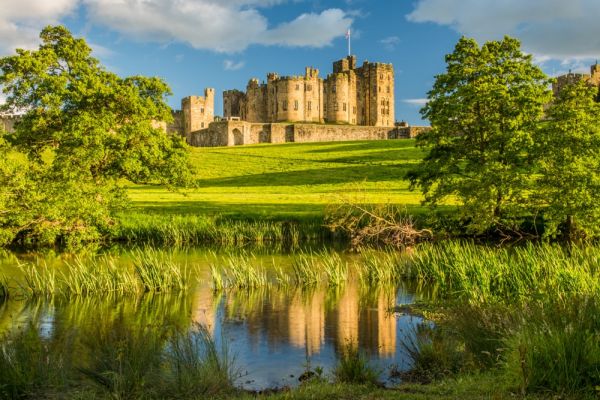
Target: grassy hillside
point(288, 180)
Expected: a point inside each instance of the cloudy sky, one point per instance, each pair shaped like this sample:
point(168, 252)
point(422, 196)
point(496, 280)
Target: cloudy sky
point(194, 44)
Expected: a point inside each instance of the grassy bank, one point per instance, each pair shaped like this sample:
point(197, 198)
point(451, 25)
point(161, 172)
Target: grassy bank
point(250, 193)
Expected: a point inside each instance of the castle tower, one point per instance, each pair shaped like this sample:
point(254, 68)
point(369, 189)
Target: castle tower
point(233, 103)
point(360, 96)
point(198, 112)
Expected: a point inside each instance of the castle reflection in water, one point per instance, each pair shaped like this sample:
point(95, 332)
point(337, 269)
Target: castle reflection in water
point(304, 318)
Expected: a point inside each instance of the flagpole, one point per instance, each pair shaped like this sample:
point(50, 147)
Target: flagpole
point(349, 47)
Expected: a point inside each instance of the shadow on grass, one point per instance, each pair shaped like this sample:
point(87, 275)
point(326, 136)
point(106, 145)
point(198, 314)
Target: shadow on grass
point(324, 176)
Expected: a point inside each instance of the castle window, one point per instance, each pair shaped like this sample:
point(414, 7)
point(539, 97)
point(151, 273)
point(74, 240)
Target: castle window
point(335, 106)
point(202, 110)
point(308, 88)
point(333, 88)
point(388, 89)
point(354, 110)
point(344, 106)
point(202, 125)
point(309, 106)
point(284, 105)
point(296, 105)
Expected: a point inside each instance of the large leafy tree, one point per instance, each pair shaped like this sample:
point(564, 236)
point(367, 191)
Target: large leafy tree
point(483, 112)
point(83, 131)
point(568, 145)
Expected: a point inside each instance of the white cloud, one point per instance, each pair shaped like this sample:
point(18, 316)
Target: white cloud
point(415, 102)
point(223, 26)
point(218, 25)
point(230, 65)
point(390, 43)
point(555, 29)
point(22, 20)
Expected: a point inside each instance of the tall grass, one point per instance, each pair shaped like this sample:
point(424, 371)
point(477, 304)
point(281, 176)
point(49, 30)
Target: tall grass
point(158, 272)
point(152, 271)
point(238, 271)
point(353, 367)
point(468, 271)
point(3, 288)
point(31, 366)
point(197, 367)
point(558, 347)
point(379, 267)
point(161, 229)
point(96, 275)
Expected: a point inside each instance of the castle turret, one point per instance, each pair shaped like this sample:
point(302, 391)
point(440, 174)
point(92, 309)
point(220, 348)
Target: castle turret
point(198, 112)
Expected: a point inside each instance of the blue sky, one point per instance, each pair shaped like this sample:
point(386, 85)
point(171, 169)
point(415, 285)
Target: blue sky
point(194, 44)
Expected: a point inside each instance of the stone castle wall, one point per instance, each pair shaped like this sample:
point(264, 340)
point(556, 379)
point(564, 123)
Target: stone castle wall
point(198, 112)
point(350, 95)
point(234, 132)
point(593, 78)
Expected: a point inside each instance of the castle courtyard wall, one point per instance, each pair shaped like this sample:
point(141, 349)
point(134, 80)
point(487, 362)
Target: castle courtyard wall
point(233, 133)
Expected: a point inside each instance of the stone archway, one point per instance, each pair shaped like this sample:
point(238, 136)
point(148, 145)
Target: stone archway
point(238, 137)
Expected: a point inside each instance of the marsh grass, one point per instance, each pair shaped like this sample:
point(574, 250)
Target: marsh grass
point(179, 230)
point(97, 275)
point(237, 271)
point(477, 273)
point(31, 366)
point(152, 271)
point(158, 272)
point(197, 366)
point(379, 267)
point(353, 367)
point(4, 293)
point(557, 349)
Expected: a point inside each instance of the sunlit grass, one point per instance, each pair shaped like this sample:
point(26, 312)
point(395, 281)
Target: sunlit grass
point(272, 184)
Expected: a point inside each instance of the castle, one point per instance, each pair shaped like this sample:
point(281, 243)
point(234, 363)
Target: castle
point(351, 103)
point(593, 79)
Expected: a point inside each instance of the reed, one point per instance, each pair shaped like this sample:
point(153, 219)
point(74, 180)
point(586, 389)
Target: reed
point(196, 366)
point(468, 271)
point(176, 230)
point(305, 270)
point(4, 294)
point(353, 367)
point(379, 267)
point(158, 272)
point(39, 280)
point(238, 271)
point(97, 275)
point(335, 269)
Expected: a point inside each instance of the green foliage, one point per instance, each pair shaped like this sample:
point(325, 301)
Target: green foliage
point(483, 112)
point(83, 129)
point(568, 144)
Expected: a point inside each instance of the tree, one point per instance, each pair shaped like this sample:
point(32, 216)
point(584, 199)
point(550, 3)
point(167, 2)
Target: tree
point(568, 146)
point(483, 112)
point(83, 130)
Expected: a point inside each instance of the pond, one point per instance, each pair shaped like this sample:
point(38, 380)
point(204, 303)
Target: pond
point(274, 332)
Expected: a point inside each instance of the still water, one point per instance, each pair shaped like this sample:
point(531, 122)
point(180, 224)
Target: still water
point(273, 333)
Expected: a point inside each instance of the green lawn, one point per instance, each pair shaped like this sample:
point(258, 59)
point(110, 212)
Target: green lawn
point(295, 180)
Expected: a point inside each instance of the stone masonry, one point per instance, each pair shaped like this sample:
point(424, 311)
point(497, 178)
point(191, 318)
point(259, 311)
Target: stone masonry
point(349, 95)
point(593, 78)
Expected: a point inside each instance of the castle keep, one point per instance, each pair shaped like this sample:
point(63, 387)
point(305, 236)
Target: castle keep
point(349, 95)
point(351, 103)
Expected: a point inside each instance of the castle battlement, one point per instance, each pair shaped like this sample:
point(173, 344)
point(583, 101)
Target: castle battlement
point(349, 95)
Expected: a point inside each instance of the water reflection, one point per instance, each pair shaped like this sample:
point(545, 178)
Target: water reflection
point(272, 331)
